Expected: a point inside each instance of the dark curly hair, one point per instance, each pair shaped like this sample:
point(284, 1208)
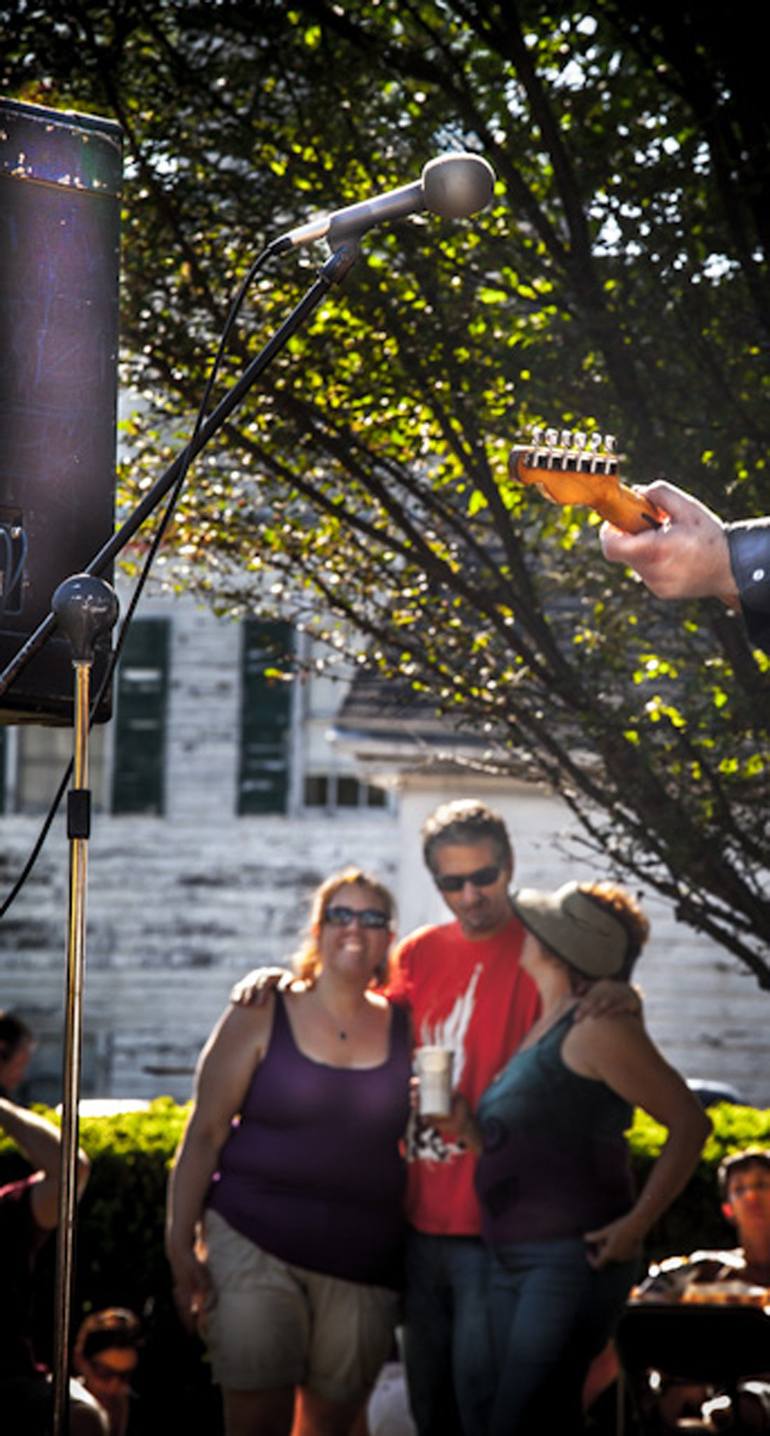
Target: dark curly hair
point(465, 821)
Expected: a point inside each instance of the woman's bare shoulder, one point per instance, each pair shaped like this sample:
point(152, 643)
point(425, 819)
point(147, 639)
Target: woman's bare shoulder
point(593, 1041)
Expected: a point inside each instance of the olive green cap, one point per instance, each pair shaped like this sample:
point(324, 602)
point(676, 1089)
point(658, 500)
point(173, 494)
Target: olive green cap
point(576, 927)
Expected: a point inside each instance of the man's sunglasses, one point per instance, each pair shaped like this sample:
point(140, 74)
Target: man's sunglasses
point(482, 878)
point(365, 917)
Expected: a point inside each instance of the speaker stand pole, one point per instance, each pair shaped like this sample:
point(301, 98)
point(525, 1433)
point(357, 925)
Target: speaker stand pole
point(86, 608)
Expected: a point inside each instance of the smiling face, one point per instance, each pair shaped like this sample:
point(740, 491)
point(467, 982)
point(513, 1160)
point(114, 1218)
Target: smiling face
point(355, 933)
point(474, 883)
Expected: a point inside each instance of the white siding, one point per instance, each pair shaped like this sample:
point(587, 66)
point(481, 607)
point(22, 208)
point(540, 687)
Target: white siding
point(179, 906)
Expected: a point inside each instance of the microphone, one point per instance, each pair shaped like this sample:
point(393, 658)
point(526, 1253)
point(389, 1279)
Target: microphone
point(453, 185)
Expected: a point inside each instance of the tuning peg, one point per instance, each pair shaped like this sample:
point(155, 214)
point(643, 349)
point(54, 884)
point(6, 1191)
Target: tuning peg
point(579, 439)
point(551, 437)
point(537, 436)
point(565, 439)
point(609, 443)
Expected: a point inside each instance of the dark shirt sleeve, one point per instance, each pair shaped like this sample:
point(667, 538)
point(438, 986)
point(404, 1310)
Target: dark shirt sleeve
point(20, 1239)
point(749, 544)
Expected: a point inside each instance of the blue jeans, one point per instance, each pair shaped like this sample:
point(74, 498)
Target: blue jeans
point(551, 1314)
point(447, 1339)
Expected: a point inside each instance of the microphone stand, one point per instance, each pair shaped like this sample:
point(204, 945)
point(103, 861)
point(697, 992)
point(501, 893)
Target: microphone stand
point(85, 606)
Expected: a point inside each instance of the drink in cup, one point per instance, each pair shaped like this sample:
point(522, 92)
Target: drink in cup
point(434, 1076)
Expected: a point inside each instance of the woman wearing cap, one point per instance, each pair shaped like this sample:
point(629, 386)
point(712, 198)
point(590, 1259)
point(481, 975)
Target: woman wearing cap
point(300, 1198)
point(559, 1212)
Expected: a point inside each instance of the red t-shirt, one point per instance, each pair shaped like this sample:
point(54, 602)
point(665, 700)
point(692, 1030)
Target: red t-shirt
point(474, 997)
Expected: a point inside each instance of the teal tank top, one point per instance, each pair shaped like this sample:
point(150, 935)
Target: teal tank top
point(555, 1161)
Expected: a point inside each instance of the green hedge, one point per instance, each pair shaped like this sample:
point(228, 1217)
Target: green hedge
point(120, 1257)
point(695, 1220)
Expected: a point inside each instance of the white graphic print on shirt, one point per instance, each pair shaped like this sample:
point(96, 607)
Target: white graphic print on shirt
point(423, 1142)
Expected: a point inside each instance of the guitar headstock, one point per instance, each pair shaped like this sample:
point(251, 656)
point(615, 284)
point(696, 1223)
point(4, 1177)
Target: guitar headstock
point(577, 468)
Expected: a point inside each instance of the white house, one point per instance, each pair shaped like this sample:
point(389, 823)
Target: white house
point(220, 803)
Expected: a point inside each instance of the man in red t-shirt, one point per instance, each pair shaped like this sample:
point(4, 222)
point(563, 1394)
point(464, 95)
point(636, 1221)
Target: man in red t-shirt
point(463, 982)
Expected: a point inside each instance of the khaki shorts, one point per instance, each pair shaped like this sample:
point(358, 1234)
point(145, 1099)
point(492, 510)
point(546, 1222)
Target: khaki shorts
point(272, 1324)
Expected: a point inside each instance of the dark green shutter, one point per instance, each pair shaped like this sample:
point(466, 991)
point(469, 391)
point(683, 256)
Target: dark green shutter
point(140, 734)
point(263, 778)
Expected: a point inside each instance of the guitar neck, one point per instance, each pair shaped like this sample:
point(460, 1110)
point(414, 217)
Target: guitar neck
point(585, 477)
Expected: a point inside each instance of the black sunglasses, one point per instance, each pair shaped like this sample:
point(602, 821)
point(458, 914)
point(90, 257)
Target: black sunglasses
point(482, 878)
point(366, 917)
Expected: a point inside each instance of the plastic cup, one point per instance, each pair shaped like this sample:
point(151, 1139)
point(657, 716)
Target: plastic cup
point(434, 1076)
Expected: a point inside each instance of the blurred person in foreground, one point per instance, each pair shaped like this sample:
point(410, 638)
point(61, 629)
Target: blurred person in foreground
point(105, 1358)
point(291, 1170)
point(695, 554)
point(29, 1212)
point(736, 1276)
point(16, 1047)
point(559, 1215)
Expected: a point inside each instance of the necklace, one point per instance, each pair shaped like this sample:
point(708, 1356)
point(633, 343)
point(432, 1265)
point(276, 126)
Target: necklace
point(342, 1032)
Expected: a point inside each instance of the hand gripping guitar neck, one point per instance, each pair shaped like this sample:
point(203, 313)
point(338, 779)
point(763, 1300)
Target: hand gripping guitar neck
point(570, 468)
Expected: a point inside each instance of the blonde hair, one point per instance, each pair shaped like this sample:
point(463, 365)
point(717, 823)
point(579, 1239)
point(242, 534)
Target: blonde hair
point(306, 961)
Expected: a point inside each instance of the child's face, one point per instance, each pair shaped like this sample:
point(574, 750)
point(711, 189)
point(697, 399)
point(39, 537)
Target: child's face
point(748, 1197)
point(109, 1374)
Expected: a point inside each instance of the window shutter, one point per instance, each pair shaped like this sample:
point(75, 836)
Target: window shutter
point(263, 777)
point(140, 736)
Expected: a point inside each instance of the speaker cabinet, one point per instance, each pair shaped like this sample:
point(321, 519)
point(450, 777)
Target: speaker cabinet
point(60, 176)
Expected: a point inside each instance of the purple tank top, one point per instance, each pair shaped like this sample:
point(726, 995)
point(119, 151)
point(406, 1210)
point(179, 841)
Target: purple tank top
point(313, 1172)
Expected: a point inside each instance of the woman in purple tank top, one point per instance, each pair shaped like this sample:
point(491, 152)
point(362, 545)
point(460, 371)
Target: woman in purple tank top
point(285, 1226)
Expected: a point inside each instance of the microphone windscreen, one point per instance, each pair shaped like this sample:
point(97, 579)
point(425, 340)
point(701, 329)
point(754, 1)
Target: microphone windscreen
point(456, 185)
